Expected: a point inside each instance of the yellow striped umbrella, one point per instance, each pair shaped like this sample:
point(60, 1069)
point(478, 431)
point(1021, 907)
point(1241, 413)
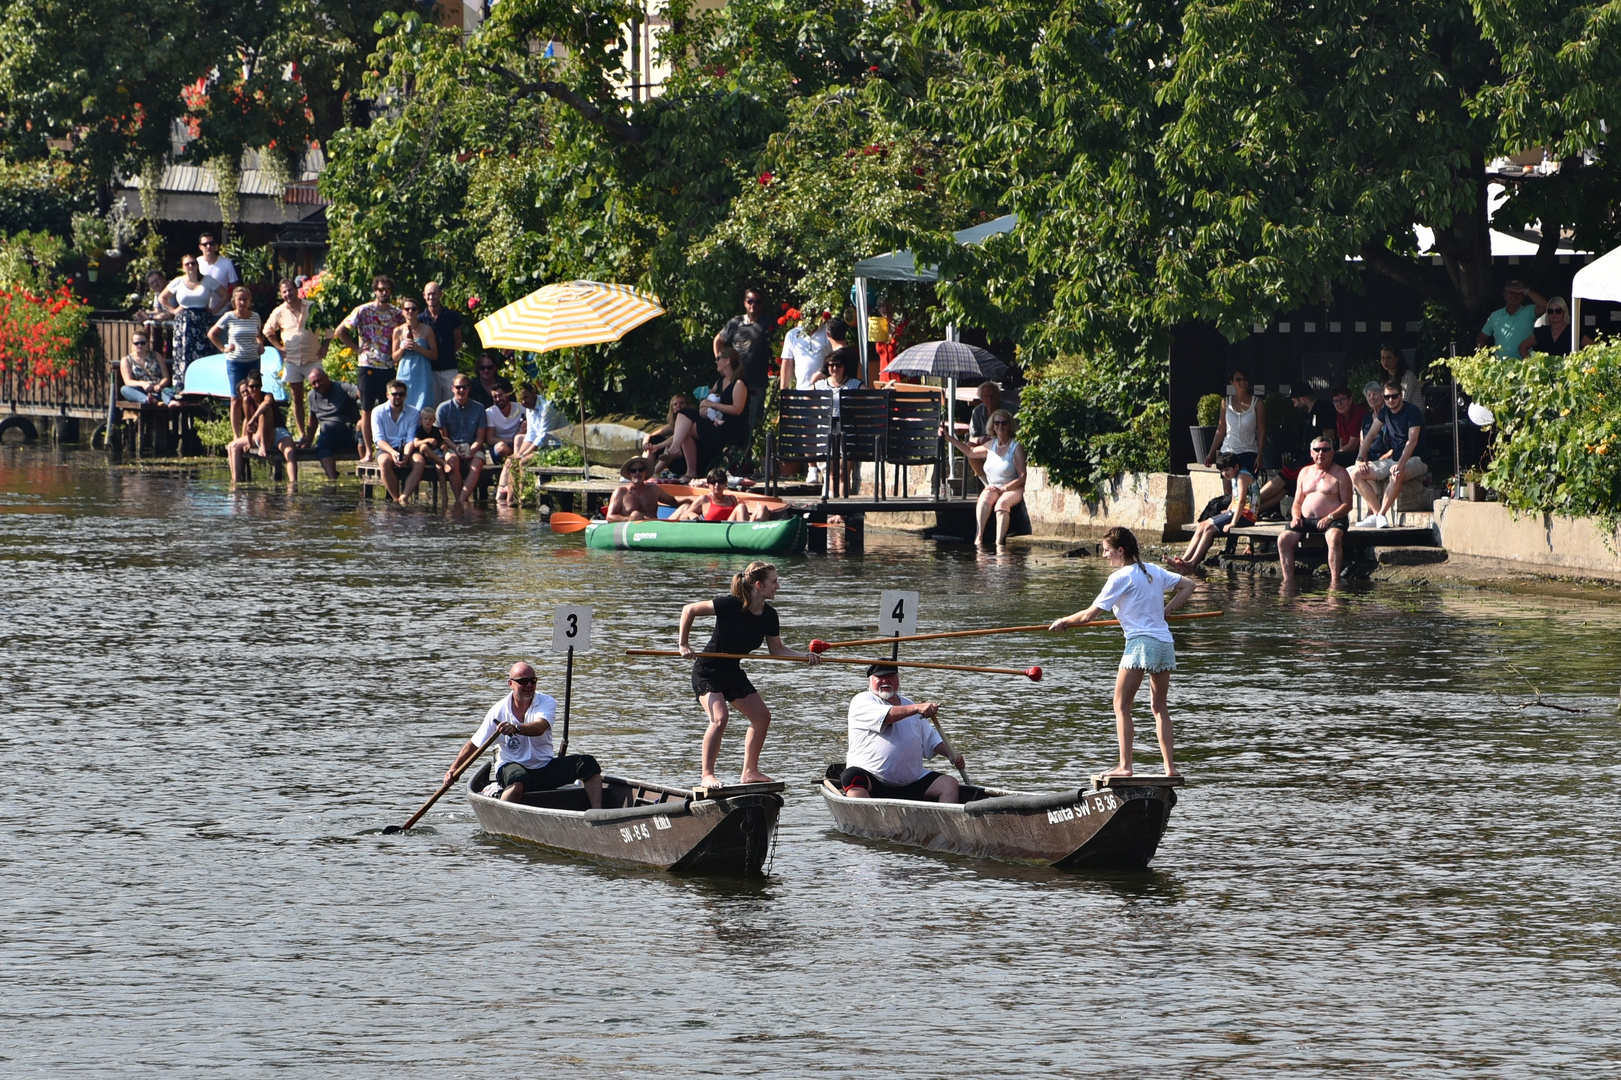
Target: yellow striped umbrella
point(569, 313)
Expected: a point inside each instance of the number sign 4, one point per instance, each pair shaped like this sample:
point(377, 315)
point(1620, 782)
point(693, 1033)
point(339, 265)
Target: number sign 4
point(897, 613)
point(572, 629)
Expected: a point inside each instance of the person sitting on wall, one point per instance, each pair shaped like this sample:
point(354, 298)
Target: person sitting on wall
point(1402, 429)
point(1322, 506)
point(890, 739)
point(1348, 417)
point(1206, 531)
point(334, 419)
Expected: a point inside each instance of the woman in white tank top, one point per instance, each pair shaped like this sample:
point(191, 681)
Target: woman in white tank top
point(1242, 431)
point(1000, 463)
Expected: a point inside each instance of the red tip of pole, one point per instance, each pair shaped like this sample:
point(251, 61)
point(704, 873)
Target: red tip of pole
point(1034, 673)
point(818, 646)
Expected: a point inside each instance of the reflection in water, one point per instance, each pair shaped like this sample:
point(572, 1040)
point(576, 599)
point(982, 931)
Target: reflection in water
point(216, 699)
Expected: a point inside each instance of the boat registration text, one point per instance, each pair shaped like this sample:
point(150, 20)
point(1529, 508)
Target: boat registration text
point(1102, 802)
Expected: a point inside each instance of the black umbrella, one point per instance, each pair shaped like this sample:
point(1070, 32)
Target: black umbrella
point(949, 360)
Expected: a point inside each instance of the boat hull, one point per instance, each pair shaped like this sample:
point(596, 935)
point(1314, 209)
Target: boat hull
point(784, 536)
point(1117, 827)
point(643, 825)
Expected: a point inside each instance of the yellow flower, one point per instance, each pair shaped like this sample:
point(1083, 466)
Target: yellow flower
point(1564, 412)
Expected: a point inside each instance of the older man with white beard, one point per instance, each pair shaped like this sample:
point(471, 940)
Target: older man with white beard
point(890, 739)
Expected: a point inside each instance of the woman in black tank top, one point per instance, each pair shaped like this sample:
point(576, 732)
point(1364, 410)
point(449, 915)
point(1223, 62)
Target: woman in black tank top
point(743, 621)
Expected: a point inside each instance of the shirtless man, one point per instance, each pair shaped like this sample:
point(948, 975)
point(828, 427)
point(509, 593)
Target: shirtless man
point(637, 500)
point(1322, 505)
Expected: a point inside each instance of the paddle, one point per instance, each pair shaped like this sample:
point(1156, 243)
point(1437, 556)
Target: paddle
point(1031, 673)
point(942, 731)
point(564, 522)
point(446, 786)
point(822, 646)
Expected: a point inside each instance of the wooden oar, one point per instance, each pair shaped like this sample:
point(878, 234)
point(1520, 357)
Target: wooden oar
point(947, 738)
point(1031, 673)
point(823, 646)
point(446, 786)
point(563, 522)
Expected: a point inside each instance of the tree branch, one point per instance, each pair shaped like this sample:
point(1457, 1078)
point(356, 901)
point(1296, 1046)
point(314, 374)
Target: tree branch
point(610, 122)
point(1404, 272)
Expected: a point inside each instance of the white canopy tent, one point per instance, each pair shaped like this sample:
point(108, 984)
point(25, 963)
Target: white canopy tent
point(1598, 280)
point(902, 266)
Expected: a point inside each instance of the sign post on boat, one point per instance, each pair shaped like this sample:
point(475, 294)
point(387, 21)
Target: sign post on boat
point(571, 629)
point(897, 617)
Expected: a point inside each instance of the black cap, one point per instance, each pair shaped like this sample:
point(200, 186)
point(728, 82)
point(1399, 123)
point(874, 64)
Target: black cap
point(882, 669)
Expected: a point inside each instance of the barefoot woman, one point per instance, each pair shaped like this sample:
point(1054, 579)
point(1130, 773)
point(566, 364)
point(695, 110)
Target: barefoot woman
point(1135, 593)
point(743, 620)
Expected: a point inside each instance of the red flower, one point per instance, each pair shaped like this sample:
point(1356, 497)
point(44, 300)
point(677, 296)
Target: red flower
point(472, 303)
point(873, 68)
point(766, 178)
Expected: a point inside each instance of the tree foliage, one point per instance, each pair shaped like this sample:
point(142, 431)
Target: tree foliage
point(1557, 442)
point(777, 153)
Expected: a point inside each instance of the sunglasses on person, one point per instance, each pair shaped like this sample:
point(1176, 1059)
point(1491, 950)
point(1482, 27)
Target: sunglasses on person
point(461, 388)
point(206, 243)
point(1392, 397)
point(1321, 449)
point(999, 423)
point(1556, 311)
point(527, 680)
point(138, 341)
point(409, 309)
point(635, 472)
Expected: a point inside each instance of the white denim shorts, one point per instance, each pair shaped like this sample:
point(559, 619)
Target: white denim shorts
point(1144, 653)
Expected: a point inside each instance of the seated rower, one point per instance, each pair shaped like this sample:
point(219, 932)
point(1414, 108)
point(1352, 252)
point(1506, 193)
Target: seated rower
point(524, 760)
point(636, 499)
point(890, 739)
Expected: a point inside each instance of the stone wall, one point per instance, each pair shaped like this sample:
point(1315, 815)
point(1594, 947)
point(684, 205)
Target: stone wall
point(1153, 505)
point(1535, 543)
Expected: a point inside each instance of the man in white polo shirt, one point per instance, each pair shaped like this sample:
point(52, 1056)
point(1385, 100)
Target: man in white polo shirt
point(524, 760)
point(890, 739)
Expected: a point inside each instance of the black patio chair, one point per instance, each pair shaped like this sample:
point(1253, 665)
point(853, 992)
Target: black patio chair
point(864, 422)
point(804, 433)
point(913, 436)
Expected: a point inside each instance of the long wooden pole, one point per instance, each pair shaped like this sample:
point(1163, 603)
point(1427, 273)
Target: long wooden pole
point(446, 786)
point(823, 646)
point(1031, 673)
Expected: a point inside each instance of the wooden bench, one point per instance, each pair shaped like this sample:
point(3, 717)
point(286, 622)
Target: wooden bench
point(371, 476)
point(1261, 540)
point(159, 430)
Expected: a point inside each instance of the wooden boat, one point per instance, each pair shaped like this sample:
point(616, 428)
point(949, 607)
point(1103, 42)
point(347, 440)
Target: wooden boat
point(1117, 824)
point(721, 830)
point(785, 536)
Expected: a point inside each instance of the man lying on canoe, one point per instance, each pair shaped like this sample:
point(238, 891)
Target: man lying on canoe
point(890, 739)
point(636, 499)
point(524, 760)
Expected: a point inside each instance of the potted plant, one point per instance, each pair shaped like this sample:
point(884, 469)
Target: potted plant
point(1209, 414)
point(1472, 490)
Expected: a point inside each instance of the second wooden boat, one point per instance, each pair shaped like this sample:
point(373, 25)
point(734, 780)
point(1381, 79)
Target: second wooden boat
point(1116, 825)
point(721, 831)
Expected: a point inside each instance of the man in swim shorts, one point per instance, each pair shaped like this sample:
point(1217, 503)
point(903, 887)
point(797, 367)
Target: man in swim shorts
point(1322, 505)
point(636, 499)
point(890, 739)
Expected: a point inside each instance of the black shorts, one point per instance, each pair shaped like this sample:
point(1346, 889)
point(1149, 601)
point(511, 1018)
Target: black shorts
point(374, 385)
point(556, 773)
point(723, 677)
point(1316, 525)
point(857, 777)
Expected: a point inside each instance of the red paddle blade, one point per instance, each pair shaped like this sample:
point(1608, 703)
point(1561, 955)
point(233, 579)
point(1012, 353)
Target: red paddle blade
point(1034, 673)
point(563, 522)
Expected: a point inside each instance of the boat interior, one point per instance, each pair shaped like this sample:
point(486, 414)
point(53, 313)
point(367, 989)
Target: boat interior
point(966, 793)
point(616, 794)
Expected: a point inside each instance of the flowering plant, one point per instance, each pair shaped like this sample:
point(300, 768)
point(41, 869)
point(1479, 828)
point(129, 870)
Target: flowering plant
point(40, 332)
point(313, 286)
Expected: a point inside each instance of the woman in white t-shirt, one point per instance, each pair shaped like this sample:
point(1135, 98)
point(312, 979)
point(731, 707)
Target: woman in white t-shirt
point(188, 300)
point(1135, 593)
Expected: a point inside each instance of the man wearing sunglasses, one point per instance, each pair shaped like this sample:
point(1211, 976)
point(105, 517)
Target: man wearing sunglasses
point(524, 758)
point(1322, 505)
point(1401, 426)
point(636, 499)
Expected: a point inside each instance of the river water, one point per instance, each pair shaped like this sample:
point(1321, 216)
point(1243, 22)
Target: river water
point(214, 700)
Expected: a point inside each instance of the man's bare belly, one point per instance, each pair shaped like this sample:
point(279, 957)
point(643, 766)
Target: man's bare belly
point(1318, 493)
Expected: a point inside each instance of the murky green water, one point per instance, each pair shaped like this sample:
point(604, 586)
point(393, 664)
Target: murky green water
point(214, 700)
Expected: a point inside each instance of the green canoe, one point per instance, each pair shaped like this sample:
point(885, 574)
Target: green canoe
point(785, 536)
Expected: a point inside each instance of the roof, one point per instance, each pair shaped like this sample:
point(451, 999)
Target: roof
point(900, 265)
point(198, 180)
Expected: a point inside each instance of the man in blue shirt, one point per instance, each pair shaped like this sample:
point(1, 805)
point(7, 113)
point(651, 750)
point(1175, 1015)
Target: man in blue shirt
point(463, 431)
point(1513, 322)
point(1401, 426)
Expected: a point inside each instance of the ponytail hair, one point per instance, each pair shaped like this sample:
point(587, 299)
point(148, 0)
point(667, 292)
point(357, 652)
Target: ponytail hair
point(753, 574)
point(1125, 540)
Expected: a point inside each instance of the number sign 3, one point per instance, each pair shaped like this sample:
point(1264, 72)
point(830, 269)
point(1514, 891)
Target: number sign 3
point(572, 629)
